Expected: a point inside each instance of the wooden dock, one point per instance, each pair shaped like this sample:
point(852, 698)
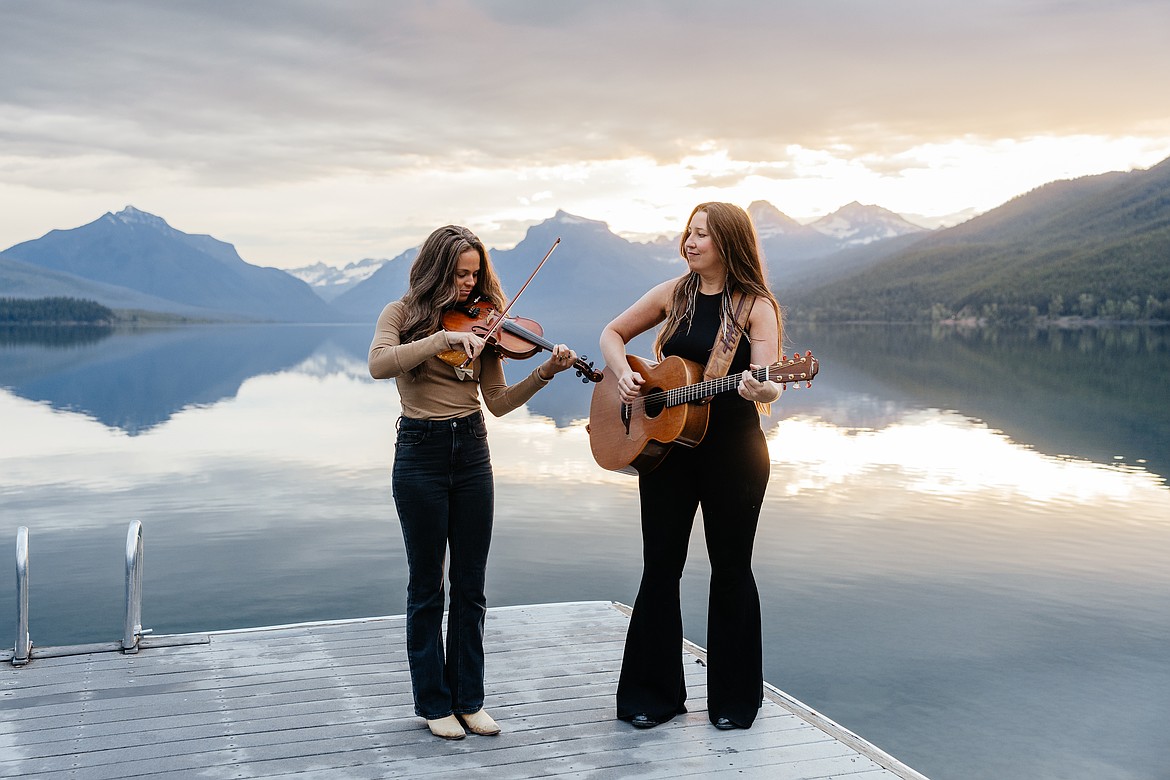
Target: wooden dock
point(332, 700)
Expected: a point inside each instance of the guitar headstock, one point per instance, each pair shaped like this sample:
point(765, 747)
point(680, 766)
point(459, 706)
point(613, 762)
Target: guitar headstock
point(798, 368)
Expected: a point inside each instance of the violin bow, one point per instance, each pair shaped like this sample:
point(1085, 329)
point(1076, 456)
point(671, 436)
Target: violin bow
point(500, 320)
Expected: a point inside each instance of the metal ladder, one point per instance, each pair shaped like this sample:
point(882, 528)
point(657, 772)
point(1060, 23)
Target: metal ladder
point(132, 630)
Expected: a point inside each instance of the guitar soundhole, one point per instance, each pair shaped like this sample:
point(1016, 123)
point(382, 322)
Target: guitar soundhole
point(655, 402)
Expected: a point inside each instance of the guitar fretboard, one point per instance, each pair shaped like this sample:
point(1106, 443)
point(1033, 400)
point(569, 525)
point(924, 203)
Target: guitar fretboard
point(705, 389)
point(710, 387)
point(799, 370)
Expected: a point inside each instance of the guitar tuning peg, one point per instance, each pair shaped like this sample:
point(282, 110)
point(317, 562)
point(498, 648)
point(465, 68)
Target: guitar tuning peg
point(783, 358)
point(808, 384)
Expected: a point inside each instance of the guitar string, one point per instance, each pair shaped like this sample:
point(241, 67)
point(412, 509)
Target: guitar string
point(710, 387)
point(681, 395)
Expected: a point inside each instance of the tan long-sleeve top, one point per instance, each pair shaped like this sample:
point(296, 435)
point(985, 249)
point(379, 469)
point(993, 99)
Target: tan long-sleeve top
point(436, 392)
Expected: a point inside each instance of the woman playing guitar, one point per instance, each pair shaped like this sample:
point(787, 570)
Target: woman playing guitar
point(725, 473)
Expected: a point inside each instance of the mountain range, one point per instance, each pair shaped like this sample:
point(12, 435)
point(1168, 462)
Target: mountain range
point(135, 260)
point(1093, 246)
point(850, 226)
point(132, 260)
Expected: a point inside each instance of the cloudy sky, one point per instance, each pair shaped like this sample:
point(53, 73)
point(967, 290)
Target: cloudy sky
point(305, 130)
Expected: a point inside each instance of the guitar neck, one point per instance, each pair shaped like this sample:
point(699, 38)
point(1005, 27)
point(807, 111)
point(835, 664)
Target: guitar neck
point(705, 389)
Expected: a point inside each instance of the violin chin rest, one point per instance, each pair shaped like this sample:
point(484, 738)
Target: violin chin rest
point(453, 357)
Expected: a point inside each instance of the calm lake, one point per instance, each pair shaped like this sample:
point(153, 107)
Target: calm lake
point(962, 556)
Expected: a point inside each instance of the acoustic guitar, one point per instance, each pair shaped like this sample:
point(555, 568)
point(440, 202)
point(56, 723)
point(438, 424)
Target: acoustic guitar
point(634, 438)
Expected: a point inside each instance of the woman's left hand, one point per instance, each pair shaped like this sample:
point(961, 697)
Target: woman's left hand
point(562, 358)
point(765, 392)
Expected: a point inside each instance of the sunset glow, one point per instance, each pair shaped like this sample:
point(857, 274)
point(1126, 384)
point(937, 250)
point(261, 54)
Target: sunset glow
point(298, 146)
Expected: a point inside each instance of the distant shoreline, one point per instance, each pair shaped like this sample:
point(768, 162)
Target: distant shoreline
point(1059, 323)
point(73, 312)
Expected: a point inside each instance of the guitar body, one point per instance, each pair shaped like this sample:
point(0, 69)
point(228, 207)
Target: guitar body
point(671, 409)
point(636, 437)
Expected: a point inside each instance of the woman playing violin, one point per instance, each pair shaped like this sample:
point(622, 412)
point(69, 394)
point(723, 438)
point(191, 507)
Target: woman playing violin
point(725, 473)
point(442, 477)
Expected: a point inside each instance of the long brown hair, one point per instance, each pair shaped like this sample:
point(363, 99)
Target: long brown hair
point(734, 236)
point(432, 287)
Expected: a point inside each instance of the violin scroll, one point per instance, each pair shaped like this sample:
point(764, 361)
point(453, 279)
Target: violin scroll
point(586, 371)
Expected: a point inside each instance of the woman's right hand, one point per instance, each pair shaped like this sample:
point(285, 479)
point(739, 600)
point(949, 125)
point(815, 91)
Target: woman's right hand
point(629, 386)
point(466, 342)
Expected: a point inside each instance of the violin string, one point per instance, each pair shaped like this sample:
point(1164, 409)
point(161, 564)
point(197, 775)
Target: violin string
point(517, 329)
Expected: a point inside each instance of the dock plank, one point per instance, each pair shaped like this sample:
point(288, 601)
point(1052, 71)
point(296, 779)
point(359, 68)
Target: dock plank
point(332, 700)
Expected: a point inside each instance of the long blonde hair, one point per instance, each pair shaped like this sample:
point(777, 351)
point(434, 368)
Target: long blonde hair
point(734, 236)
point(432, 287)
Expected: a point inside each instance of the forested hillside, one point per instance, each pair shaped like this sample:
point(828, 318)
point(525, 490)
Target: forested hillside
point(20, 311)
point(1096, 247)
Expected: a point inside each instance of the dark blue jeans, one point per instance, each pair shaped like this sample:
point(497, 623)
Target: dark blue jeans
point(444, 494)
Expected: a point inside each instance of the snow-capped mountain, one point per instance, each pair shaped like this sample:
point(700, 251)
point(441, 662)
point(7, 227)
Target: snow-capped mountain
point(855, 224)
point(785, 239)
point(771, 222)
point(329, 281)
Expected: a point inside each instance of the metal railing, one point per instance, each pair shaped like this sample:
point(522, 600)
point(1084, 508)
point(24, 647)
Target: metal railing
point(23, 648)
point(132, 631)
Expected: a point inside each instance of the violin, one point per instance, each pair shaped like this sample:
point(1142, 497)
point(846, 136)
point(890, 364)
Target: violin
point(518, 338)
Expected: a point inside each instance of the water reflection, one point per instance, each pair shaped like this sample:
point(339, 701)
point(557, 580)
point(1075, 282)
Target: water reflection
point(950, 553)
point(948, 455)
point(136, 380)
point(61, 336)
point(1095, 394)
